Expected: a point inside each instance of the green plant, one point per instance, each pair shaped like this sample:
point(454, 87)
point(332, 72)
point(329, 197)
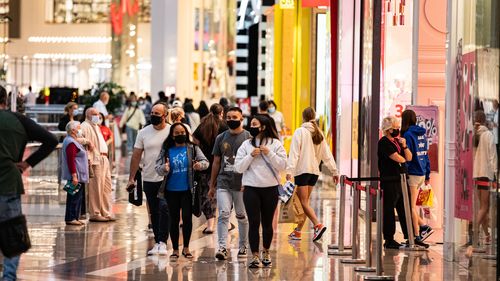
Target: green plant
point(116, 96)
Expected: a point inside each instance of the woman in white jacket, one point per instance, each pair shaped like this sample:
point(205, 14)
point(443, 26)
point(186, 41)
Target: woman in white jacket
point(307, 150)
point(485, 167)
point(260, 160)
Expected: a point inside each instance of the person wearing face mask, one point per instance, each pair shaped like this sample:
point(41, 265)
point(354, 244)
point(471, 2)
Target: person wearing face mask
point(228, 183)
point(75, 168)
point(70, 112)
point(392, 153)
point(177, 161)
point(132, 121)
point(100, 105)
point(99, 187)
point(277, 116)
point(147, 145)
point(146, 108)
point(260, 160)
point(204, 136)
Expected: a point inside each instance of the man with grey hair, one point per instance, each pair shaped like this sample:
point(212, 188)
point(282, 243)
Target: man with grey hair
point(99, 188)
point(15, 131)
point(100, 105)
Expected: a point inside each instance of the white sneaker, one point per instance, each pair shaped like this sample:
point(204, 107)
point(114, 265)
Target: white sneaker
point(155, 249)
point(162, 249)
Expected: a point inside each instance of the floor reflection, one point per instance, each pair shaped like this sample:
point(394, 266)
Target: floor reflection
point(117, 251)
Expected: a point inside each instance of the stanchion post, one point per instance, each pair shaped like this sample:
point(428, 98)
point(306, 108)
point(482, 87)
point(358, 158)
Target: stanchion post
point(368, 234)
point(378, 251)
point(355, 228)
point(340, 241)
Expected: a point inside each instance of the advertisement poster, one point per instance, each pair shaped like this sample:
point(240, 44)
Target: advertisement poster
point(428, 118)
point(465, 65)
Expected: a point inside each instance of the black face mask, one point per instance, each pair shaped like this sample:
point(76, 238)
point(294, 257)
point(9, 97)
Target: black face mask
point(395, 133)
point(184, 121)
point(233, 124)
point(156, 120)
point(254, 131)
point(180, 139)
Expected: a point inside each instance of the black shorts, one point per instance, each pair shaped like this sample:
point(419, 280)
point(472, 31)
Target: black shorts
point(482, 187)
point(306, 179)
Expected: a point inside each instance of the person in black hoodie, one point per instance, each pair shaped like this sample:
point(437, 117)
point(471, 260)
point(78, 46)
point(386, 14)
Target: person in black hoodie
point(419, 169)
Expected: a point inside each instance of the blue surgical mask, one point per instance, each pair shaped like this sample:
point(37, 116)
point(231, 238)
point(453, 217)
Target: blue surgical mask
point(271, 110)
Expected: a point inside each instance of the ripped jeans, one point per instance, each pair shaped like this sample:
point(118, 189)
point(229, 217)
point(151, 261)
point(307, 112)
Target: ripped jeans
point(225, 200)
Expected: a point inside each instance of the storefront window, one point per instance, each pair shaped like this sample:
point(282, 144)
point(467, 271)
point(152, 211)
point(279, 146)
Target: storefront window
point(475, 56)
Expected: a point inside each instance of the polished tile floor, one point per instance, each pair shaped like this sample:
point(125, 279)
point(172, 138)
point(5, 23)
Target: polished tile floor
point(117, 251)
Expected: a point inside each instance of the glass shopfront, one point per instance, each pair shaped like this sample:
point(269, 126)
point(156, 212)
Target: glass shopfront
point(474, 89)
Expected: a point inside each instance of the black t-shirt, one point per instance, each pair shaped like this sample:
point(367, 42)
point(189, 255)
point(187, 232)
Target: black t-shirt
point(386, 166)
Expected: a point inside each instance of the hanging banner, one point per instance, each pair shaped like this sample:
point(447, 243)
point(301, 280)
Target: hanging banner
point(315, 3)
point(464, 151)
point(428, 118)
point(287, 4)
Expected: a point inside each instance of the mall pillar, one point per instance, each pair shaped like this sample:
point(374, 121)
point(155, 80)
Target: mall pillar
point(124, 18)
point(164, 37)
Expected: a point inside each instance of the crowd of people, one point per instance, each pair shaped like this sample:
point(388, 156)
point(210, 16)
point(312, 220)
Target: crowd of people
point(228, 161)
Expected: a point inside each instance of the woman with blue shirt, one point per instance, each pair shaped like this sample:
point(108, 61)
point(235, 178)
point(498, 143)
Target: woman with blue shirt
point(178, 160)
point(419, 170)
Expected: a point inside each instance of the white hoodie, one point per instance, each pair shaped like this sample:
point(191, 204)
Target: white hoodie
point(256, 172)
point(485, 155)
point(305, 157)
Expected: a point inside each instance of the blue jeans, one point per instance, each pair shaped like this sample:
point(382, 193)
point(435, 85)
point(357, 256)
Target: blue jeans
point(74, 204)
point(10, 206)
point(131, 137)
point(225, 200)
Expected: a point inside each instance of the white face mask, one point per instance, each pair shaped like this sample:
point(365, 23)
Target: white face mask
point(95, 119)
point(79, 133)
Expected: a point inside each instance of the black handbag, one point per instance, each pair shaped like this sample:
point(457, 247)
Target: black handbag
point(135, 195)
point(14, 236)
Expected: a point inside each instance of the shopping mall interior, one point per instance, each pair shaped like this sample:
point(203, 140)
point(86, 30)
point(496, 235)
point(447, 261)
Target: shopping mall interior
point(353, 62)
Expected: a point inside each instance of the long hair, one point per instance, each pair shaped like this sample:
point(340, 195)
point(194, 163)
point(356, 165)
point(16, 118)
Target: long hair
point(268, 132)
point(169, 141)
point(408, 119)
point(309, 115)
point(210, 124)
point(203, 109)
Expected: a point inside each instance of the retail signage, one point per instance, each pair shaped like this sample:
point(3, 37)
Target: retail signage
point(428, 118)
point(315, 3)
point(287, 4)
point(118, 10)
point(464, 90)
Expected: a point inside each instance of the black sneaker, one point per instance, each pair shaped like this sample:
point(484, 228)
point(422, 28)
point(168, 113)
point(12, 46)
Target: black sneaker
point(255, 263)
point(392, 244)
point(419, 242)
point(242, 253)
point(266, 258)
point(425, 232)
point(221, 254)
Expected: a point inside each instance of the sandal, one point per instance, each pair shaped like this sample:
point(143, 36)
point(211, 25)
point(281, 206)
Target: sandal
point(206, 231)
point(187, 255)
point(174, 256)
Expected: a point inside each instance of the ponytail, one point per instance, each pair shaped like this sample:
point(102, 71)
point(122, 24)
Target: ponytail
point(317, 136)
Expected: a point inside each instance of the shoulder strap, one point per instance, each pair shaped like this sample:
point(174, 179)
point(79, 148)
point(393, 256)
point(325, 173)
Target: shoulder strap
point(130, 117)
point(271, 169)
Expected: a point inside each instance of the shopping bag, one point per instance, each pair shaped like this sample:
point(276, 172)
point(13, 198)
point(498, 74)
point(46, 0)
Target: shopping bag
point(429, 202)
point(70, 188)
point(286, 191)
point(135, 192)
point(423, 194)
point(291, 212)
